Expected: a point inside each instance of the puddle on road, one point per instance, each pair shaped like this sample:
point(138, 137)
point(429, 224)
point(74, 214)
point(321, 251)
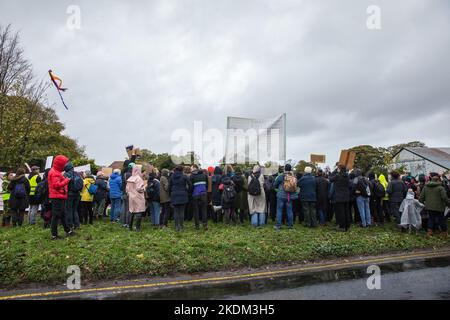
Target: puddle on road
point(244, 287)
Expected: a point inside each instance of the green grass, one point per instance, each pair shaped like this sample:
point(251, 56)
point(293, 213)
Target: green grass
point(108, 251)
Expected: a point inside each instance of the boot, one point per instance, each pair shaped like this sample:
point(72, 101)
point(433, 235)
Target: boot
point(430, 232)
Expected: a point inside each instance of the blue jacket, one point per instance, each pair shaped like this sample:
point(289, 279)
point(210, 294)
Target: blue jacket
point(115, 186)
point(307, 185)
point(281, 194)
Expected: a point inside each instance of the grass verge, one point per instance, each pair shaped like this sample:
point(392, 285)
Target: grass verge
point(108, 251)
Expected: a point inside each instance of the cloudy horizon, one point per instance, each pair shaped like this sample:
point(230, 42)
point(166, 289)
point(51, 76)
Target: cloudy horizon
point(138, 71)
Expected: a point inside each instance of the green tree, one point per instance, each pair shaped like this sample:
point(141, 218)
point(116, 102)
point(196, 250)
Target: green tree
point(302, 164)
point(370, 158)
point(24, 139)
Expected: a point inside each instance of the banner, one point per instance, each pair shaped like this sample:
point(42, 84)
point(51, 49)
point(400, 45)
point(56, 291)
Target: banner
point(318, 158)
point(82, 169)
point(255, 140)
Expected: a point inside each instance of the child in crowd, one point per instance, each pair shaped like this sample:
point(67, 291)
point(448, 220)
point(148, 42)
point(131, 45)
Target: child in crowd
point(410, 210)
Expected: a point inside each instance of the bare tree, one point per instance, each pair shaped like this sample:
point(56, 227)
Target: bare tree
point(13, 65)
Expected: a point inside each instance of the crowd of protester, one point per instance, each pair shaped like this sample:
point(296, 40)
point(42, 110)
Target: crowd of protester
point(224, 195)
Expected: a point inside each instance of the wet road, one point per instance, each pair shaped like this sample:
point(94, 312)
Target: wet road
point(430, 283)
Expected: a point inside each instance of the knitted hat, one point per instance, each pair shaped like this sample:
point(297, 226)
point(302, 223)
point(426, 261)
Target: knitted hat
point(308, 169)
point(287, 167)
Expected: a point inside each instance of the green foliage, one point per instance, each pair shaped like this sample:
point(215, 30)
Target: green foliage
point(107, 251)
point(30, 132)
point(302, 164)
point(368, 158)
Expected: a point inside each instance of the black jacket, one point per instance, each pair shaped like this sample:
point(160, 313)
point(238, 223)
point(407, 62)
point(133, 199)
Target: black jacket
point(341, 186)
point(322, 186)
point(19, 203)
point(396, 190)
point(179, 186)
point(102, 189)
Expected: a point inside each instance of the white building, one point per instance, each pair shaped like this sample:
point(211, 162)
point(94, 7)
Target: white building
point(423, 160)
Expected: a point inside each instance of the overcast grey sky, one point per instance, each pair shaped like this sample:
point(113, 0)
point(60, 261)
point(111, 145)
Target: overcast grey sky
point(137, 70)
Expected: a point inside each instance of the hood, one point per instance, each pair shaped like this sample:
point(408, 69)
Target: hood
point(59, 163)
point(136, 171)
point(115, 176)
point(433, 184)
point(382, 179)
point(218, 170)
point(165, 172)
point(410, 195)
point(68, 167)
point(197, 171)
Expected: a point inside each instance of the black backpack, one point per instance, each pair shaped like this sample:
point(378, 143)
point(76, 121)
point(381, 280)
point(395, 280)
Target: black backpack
point(378, 189)
point(238, 183)
point(41, 191)
point(364, 187)
point(229, 194)
point(254, 187)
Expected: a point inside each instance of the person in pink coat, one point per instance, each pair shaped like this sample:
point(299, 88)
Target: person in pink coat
point(135, 190)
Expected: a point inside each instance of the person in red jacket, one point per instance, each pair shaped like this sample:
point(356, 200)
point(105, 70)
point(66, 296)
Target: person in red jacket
point(57, 187)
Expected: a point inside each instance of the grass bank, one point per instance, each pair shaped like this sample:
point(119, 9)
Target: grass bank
point(107, 251)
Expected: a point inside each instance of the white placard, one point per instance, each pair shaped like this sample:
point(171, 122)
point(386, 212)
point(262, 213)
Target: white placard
point(48, 162)
point(84, 168)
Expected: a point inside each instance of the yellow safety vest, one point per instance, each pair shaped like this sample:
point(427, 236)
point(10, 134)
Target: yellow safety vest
point(5, 194)
point(33, 184)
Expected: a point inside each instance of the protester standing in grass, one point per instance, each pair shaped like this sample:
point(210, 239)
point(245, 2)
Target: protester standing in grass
point(34, 178)
point(179, 186)
point(286, 184)
point(256, 197)
point(341, 185)
point(135, 190)
point(385, 199)
point(6, 195)
point(19, 189)
point(308, 197)
point(115, 194)
point(153, 193)
point(199, 181)
point(57, 186)
point(322, 201)
point(164, 198)
point(397, 191)
point(435, 199)
point(87, 199)
point(73, 197)
point(101, 195)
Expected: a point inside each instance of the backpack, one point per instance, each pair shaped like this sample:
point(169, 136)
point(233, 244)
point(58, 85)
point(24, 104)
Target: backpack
point(238, 183)
point(254, 187)
point(152, 190)
point(378, 189)
point(364, 187)
point(77, 182)
point(92, 189)
point(229, 194)
point(290, 183)
point(19, 191)
point(41, 191)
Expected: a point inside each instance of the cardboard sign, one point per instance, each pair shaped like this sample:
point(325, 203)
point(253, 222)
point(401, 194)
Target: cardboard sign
point(347, 159)
point(132, 151)
point(48, 162)
point(318, 158)
point(82, 169)
point(107, 172)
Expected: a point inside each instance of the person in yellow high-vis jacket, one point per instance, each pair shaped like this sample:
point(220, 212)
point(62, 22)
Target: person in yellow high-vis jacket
point(34, 178)
point(6, 195)
point(86, 203)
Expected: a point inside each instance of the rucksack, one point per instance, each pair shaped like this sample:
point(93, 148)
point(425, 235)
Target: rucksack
point(364, 187)
point(41, 191)
point(92, 189)
point(77, 182)
point(19, 191)
point(254, 187)
point(238, 183)
point(290, 182)
point(378, 189)
point(229, 194)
